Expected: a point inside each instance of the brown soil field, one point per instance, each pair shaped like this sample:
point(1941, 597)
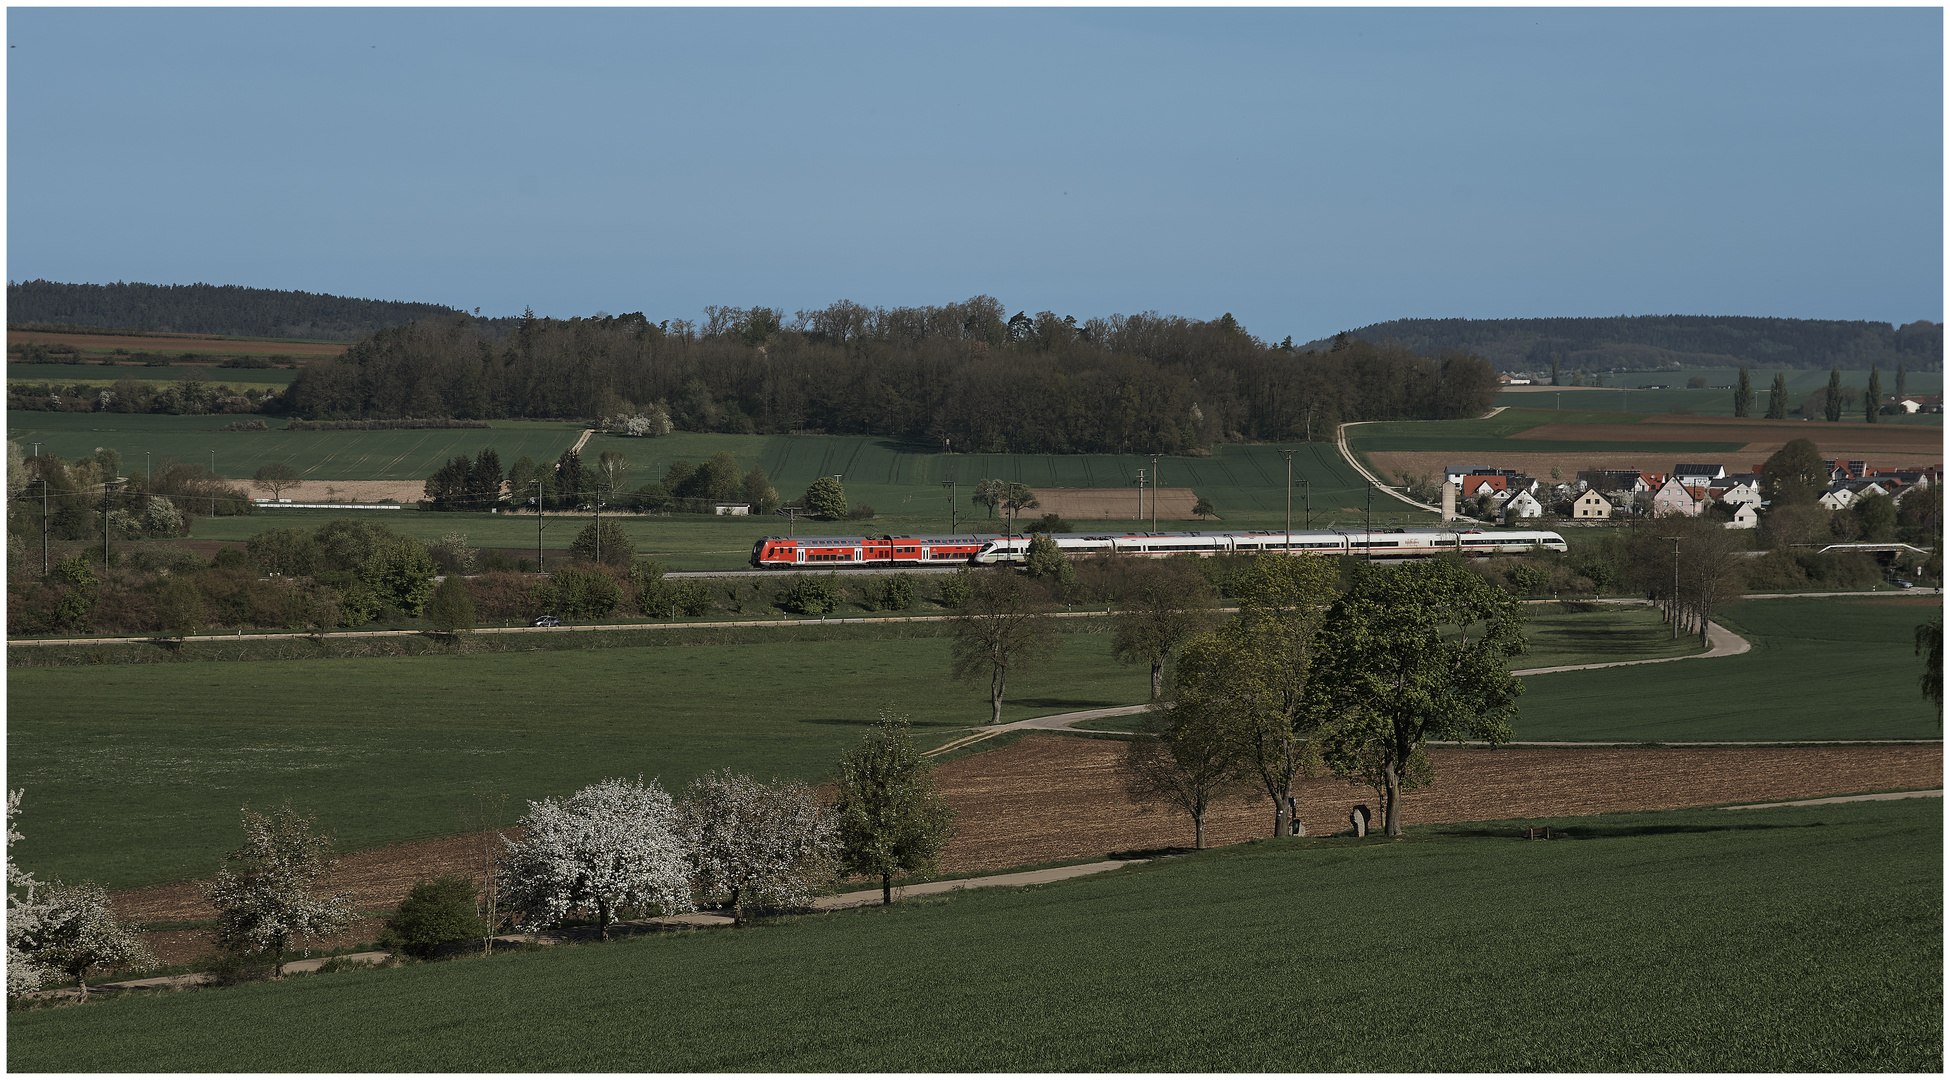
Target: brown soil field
point(175, 343)
point(1761, 437)
point(1081, 505)
point(363, 491)
point(1053, 797)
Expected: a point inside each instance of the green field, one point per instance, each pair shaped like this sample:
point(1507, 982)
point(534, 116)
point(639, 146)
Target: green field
point(1835, 668)
point(134, 773)
point(1788, 940)
point(1492, 435)
point(100, 375)
point(1681, 401)
point(317, 455)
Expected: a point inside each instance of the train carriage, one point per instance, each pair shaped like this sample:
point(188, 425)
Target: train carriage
point(838, 552)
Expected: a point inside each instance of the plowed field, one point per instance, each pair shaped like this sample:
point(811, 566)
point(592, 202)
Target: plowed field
point(1084, 505)
point(1053, 797)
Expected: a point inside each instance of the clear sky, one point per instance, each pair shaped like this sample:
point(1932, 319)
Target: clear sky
point(1309, 170)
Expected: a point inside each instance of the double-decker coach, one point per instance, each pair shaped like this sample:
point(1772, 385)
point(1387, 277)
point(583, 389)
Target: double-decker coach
point(837, 552)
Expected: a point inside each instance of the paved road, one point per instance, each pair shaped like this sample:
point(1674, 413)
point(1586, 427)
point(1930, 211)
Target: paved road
point(1884, 797)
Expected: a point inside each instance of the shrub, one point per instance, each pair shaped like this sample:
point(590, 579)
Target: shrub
point(579, 594)
point(692, 598)
point(894, 592)
point(860, 512)
point(433, 914)
point(810, 595)
point(503, 596)
point(957, 587)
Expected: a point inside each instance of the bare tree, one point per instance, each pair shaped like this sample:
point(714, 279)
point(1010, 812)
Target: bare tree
point(1159, 604)
point(275, 478)
point(1182, 758)
point(1000, 627)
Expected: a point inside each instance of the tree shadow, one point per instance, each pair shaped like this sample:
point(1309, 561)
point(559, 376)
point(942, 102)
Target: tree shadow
point(1066, 704)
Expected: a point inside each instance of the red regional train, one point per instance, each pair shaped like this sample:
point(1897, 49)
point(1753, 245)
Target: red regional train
point(838, 552)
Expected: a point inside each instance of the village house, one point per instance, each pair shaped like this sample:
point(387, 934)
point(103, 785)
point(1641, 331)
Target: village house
point(1591, 506)
point(1745, 516)
point(1698, 475)
point(1521, 505)
point(1674, 497)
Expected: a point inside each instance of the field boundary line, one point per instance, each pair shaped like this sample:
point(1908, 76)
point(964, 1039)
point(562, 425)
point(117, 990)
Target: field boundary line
point(582, 442)
point(1882, 797)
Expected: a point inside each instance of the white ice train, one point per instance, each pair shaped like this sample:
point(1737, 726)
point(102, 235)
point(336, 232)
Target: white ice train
point(1380, 544)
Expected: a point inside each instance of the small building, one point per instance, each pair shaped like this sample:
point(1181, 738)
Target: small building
point(1674, 497)
point(1522, 505)
point(1591, 506)
point(1697, 475)
point(1838, 497)
point(1745, 516)
point(1744, 493)
point(732, 509)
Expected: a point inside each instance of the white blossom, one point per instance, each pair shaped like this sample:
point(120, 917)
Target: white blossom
point(613, 846)
point(756, 842)
point(269, 900)
point(25, 911)
point(78, 931)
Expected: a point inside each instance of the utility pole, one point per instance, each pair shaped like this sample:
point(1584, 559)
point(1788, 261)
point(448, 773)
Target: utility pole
point(950, 485)
point(43, 484)
point(147, 478)
point(104, 526)
point(1370, 537)
point(1154, 493)
point(1140, 483)
point(1289, 501)
point(599, 522)
point(213, 482)
point(539, 566)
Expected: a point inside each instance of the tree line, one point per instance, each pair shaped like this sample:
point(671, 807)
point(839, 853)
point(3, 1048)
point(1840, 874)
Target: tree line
point(963, 377)
point(613, 850)
point(228, 310)
point(1653, 341)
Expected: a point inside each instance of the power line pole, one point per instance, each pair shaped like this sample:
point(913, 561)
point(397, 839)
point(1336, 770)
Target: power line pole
point(1370, 536)
point(1289, 501)
point(1140, 484)
point(950, 485)
point(1154, 493)
point(540, 567)
point(1673, 604)
point(43, 484)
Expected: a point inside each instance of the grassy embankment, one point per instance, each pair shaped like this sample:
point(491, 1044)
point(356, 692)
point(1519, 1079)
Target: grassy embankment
point(1786, 940)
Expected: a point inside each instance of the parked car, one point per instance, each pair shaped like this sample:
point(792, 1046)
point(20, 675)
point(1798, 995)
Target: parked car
point(547, 620)
point(1901, 584)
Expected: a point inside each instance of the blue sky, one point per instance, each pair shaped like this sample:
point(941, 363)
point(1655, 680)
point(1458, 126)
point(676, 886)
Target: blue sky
point(1309, 170)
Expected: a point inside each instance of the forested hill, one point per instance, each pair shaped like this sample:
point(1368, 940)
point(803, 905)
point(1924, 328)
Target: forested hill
point(1641, 342)
point(214, 309)
point(965, 376)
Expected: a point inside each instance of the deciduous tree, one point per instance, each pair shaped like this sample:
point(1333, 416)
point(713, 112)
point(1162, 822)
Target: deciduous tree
point(1183, 758)
point(756, 843)
point(1251, 675)
point(268, 892)
point(25, 910)
point(1002, 626)
point(615, 549)
point(889, 818)
point(614, 846)
point(1777, 397)
point(451, 608)
point(434, 913)
point(989, 492)
point(825, 498)
point(274, 478)
point(1793, 474)
point(1410, 654)
point(1159, 605)
point(78, 932)
point(1929, 646)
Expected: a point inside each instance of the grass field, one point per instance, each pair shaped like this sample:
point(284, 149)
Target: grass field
point(318, 455)
point(134, 773)
point(1787, 940)
point(1838, 668)
point(1683, 401)
point(97, 375)
point(1493, 434)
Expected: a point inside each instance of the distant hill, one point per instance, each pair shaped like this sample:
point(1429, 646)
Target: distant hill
point(1643, 342)
point(232, 310)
